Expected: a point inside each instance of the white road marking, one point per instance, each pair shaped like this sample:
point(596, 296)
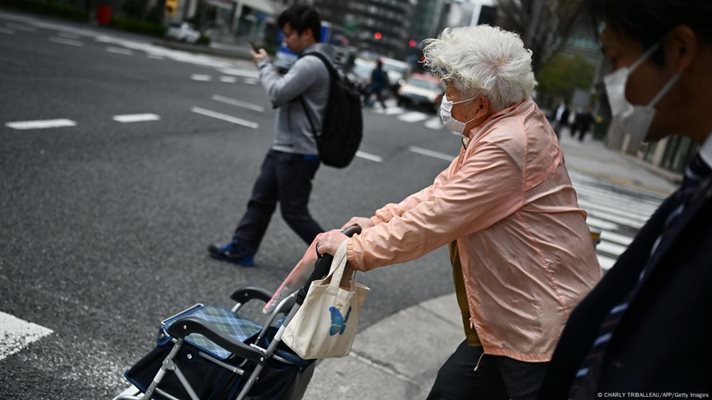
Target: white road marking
point(393, 110)
point(431, 153)
point(368, 156)
point(250, 81)
point(610, 248)
point(17, 334)
point(119, 50)
point(68, 35)
point(224, 117)
point(615, 218)
point(44, 124)
point(616, 238)
point(238, 103)
point(7, 31)
point(634, 214)
point(228, 79)
point(154, 57)
point(434, 123)
point(19, 27)
point(600, 224)
point(128, 118)
point(240, 72)
point(68, 42)
point(606, 262)
point(413, 116)
point(201, 77)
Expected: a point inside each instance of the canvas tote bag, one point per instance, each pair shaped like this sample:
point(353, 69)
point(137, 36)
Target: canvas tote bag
point(326, 323)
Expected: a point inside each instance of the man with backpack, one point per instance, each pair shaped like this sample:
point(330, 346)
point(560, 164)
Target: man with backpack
point(301, 98)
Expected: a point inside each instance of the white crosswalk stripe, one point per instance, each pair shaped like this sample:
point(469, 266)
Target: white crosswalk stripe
point(618, 213)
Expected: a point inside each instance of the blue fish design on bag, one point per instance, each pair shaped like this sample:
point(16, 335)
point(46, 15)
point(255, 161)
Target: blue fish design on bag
point(338, 322)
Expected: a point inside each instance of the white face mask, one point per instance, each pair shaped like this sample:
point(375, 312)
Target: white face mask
point(451, 123)
point(635, 120)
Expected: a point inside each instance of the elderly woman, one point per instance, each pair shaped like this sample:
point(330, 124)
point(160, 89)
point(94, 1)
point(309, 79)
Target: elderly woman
point(520, 248)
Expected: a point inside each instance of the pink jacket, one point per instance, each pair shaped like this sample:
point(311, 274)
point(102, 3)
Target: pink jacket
point(525, 248)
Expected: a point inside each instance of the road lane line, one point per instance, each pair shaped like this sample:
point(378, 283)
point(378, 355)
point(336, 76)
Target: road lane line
point(228, 79)
point(19, 27)
point(240, 72)
point(201, 77)
point(68, 35)
point(224, 117)
point(17, 334)
point(238, 103)
point(250, 81)
point(119, 50)
point(430, 153)
point(155, 57)
point(368, 156)
point(43, 124)
point(69, 42)
point(128, 118)
point(413, 116)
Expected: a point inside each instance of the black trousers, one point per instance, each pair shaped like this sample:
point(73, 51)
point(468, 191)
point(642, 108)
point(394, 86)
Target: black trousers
point(286, 179)
point(496, 378)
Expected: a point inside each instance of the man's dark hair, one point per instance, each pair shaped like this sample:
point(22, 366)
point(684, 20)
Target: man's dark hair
point(301, 18)
point(648, 21)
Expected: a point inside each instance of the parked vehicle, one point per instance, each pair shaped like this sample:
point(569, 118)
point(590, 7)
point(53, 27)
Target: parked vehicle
point(182, 32)
point(421, 90)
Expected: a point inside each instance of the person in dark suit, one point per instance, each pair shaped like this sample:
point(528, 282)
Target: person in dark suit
point(645, 328)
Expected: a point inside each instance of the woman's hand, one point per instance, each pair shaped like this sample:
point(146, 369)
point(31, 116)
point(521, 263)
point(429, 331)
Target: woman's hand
point(364, 223)
point(329, 242)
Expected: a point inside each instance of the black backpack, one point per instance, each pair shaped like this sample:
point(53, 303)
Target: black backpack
point(342, 129)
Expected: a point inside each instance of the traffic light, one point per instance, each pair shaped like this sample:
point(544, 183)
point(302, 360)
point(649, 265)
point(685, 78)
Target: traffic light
point(412, 43)
point(171, 7)
point(377, 35)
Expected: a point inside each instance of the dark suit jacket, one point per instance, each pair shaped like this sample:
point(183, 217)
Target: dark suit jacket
point(664, 340)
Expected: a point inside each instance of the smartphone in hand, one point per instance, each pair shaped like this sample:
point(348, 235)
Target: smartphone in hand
point(254, 47)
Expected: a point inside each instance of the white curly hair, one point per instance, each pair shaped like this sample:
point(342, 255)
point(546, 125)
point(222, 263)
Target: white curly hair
point(482, 61)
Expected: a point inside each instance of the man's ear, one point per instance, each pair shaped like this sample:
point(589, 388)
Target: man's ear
point(681, 48)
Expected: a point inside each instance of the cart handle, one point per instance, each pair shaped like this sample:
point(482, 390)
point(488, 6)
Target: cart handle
point(322, 265)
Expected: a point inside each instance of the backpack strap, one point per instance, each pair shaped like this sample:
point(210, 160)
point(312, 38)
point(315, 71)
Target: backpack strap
point(332, 74)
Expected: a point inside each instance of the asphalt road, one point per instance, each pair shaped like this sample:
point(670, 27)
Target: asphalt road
point(104, 225)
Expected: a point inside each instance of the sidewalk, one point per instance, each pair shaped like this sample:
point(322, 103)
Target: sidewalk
point(398, 357)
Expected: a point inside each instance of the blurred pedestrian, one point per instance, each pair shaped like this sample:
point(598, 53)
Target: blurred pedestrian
point(560, 119)
point(645, 327)
point(377, 85)
point(582, 123)
point(521, 251)
point(292, 161)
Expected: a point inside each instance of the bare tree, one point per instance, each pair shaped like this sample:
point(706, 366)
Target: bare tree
point(544, 25)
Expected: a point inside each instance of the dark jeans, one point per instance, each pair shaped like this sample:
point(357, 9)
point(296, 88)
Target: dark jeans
point(496, 378)
point(284, 178)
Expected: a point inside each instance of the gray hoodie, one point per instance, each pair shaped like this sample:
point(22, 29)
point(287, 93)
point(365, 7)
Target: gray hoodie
point(309, 78)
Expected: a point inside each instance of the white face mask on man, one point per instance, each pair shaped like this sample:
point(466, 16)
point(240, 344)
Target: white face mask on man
point(635, 120)
point(455, 126)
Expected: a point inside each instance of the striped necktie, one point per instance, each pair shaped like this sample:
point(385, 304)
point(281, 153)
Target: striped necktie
point(584, 385)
